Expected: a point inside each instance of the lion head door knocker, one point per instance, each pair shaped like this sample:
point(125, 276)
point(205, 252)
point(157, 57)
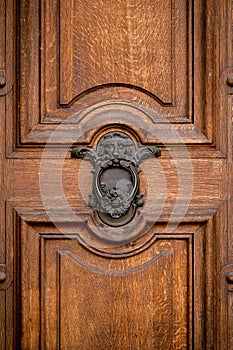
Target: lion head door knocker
point(116, 193)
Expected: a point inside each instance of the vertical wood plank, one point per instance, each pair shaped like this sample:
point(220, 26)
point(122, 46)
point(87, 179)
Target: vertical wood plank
point(30, 288)
point(3, 38)
point(2, 319)
point(66, 50)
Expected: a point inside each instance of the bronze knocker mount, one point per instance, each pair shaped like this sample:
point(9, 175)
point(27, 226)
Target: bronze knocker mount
point(116, 187)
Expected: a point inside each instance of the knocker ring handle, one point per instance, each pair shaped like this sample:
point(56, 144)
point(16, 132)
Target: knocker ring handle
point(116, 186)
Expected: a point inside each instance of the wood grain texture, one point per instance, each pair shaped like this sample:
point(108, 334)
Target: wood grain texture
point(230, 319)
point(135, 47)
point(138, 47)
point(165, 59)
point(3, 41)
point(2, 320)
point(195, 237)
point(30, 289)
point(6, 252)
point(77, 178)
point(117, 296)
point(61, 58)
point(6, 39)
point(113, 316)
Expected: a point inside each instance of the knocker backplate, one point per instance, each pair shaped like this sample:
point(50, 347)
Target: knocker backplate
point(116, 186)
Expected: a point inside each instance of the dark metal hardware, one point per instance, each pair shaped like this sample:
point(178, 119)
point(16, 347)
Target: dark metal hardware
point(116, 193)
point(2, 82)
point(2, 276)
point(230, 80)
point(230, 277)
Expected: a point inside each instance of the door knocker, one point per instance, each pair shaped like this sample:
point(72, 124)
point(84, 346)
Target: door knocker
point(116, 191)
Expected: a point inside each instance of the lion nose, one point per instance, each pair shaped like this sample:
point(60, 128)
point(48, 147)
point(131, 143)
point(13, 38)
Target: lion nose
point(115, 152)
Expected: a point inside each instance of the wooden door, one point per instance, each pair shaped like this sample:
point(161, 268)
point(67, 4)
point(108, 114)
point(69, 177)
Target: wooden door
point(72, 71)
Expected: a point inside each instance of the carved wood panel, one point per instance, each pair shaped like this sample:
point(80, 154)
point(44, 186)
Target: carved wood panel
point(138, 47)
point(71, 312)
point(151, 54)
point(6, 54)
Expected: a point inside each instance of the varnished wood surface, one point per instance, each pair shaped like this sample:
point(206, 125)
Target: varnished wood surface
point(66, 64)
point(116, 312)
